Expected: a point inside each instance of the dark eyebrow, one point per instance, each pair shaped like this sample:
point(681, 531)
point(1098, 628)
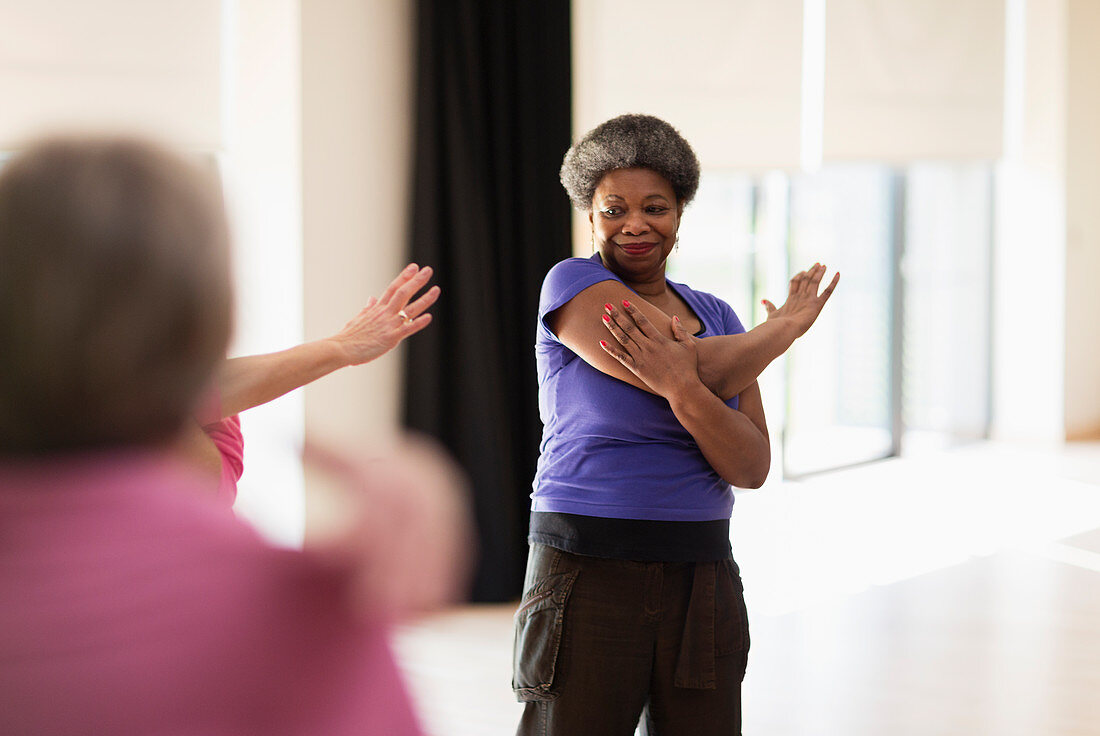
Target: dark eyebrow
point(648, 196)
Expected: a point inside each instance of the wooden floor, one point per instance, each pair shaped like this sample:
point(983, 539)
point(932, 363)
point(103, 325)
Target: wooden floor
point(954, 594)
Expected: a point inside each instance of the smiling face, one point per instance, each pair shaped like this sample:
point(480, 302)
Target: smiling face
point(634, 218)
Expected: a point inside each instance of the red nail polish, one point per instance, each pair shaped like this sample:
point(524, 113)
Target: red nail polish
point(607, 307)
point(626, 303)
point(603, 344)
point(606, 319)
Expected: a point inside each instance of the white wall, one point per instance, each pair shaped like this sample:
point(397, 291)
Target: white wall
point(218, 78)
point(1082, 304)
point(1047, 344)
point(1046, 361)
point(357, 85)
point(307, 107)
point(148, 67)
point(262, 167)
point(1029, 240)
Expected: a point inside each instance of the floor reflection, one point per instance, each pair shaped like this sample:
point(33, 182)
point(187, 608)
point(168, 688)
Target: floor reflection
point(950, 593)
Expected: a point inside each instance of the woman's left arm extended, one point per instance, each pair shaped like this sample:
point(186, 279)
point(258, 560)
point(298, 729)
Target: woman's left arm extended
point(378, 328)
point(734, 441)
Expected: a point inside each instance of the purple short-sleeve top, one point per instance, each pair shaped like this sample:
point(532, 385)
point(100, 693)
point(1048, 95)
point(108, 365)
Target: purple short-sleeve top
point(608, 448)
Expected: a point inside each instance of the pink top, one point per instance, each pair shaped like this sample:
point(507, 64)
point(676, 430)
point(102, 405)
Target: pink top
point(227, 437)
point(132, 605)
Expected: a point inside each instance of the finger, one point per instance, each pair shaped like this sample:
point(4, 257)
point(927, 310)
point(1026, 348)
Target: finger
point(829, 289)
point(678, 332)
point(768, 306)
point(618, 354)
point(371, 302)
point(405, 291)
point(806, 283)
point(623, 336)
point(620, 322)
point(814, 280)
point(796, 282)
point(643, 323)
point(406, 273)
point(416, 325)
point(420, 305)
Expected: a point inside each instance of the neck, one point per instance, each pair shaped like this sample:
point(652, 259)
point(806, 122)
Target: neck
point(650, 288)
point(651, 285)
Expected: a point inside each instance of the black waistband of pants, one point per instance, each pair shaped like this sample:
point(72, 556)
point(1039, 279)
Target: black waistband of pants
point(632, 539)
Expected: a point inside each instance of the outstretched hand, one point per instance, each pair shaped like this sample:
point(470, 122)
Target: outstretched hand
point(399, 522)
point(389, 319)
point(803, 302)
point(664, 364)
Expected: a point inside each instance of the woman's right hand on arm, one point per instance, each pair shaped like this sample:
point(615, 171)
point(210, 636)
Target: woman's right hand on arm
point(579, 326)
point(734, 442)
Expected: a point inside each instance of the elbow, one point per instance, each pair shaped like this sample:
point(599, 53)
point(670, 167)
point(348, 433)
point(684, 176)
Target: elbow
point(752, 481)
point(752, 474)
point(751, 478)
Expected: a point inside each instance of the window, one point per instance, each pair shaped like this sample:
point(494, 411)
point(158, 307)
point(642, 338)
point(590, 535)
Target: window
point(900, 357)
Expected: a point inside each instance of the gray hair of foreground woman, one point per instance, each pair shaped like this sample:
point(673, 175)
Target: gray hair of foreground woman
point(627, 142)
point(114, 294)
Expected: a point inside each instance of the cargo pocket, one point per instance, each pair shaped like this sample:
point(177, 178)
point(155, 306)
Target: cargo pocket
point(731, 619)
point(538, 622)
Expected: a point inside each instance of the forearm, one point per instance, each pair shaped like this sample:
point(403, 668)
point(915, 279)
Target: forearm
point(734, 445)
point(728, 364)
point(257, 379)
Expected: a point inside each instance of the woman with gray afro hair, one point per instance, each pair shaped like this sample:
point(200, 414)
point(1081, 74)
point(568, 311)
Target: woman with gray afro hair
point(626, 142)
point(651, 414)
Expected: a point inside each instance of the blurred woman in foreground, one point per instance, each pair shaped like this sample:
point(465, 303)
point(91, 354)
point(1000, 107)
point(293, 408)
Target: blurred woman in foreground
point(131, 604)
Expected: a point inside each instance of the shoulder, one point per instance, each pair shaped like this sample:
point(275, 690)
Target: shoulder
point(572, 269)
point(568, 278)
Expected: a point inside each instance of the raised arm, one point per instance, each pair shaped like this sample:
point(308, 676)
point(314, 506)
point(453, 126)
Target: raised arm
point(727, 364)
point(734, 442)
point(378, 328)
point(399, 522)
point(730, 363)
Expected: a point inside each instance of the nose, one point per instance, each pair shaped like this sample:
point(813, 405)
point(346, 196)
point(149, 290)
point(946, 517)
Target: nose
point(635, 224)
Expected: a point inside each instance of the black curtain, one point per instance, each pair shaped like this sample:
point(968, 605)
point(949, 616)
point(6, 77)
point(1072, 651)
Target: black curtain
point(492, 124)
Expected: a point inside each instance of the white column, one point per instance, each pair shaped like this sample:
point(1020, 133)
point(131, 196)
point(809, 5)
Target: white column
point(357, 119)
point(1082, 310)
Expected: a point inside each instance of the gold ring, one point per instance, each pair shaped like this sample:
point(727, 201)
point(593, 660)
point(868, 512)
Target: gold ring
point(402, 315)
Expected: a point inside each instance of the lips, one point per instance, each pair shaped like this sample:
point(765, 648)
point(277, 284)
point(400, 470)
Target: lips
point(636, 249)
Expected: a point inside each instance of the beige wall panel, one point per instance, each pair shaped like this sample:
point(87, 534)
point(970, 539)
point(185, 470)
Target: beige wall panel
point(357, 87)
point(154, 67)
point(726, 73)
point(263, 185)
point(913, 80)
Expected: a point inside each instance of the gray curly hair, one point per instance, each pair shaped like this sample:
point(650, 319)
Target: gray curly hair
point(625, 142)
